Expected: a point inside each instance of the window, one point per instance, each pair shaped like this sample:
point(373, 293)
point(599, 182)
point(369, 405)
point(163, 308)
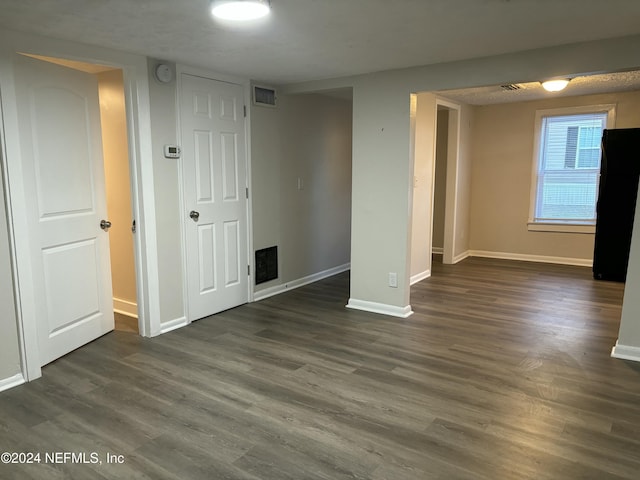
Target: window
point(567, 168)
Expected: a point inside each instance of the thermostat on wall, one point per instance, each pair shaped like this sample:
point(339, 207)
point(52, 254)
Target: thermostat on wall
point(172, 151)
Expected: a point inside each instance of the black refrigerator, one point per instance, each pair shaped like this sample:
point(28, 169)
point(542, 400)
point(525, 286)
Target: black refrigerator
point(616, 207)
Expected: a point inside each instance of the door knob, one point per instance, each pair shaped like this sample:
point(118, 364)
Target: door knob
point(194, 215)
point(105, 225)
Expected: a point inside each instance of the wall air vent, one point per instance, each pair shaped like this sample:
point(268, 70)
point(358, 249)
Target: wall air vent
point(266, 264)
point(510, 87)
point(264, 96)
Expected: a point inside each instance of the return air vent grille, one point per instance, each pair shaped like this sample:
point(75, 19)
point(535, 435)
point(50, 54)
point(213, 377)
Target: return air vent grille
point(264, 96)
point(266, 264)
point(510, 87)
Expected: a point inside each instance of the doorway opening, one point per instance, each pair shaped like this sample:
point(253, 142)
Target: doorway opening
point(440, 184)
point(115, 149)
point(445, 182)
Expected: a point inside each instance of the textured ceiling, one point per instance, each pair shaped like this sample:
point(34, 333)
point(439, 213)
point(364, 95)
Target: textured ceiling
point(610, 82)
point(316, 39)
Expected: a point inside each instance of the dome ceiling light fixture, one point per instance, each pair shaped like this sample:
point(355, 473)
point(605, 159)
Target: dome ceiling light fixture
point(240, 10)
point(555, 85)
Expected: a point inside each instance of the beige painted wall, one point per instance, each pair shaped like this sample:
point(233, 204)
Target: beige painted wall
point(307, 137)
point(424, 157)
point(9, 352)
point(116, 166)
point(440, 183)
point(502, 146)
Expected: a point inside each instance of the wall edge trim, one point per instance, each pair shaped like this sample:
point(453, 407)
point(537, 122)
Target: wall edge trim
point(300, 282)
point(580, 262)
point(125, 307)
point(418, 277)
point(173, 324)
point(10, 382)
point(461, 256)
point(626, 352)
point(381, 308)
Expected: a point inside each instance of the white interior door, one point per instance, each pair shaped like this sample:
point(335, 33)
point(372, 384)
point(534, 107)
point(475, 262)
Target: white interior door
point(61, 145)
point(214, 172)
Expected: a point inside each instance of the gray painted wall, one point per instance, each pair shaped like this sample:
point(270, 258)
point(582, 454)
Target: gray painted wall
point(307, 137)
point(166, 178)
point(381, 222)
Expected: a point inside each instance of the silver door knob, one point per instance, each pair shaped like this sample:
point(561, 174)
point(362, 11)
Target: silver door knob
point(105, 225)
point(194, 215)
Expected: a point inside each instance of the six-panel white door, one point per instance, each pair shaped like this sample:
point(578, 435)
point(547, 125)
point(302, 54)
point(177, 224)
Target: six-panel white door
point(61, 145)
point(214, 173)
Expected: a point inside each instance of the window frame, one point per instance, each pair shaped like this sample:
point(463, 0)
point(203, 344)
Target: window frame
point(574, 226)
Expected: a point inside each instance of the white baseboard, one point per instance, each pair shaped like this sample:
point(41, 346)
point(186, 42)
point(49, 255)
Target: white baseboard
point(10, 382)
point(626, 352)
point(173, 324)
point(437, 250)
point(382, 308)
point(420, 276)
point(461, 256)
point(285, 287)
point(125, 307)
point(581, 262)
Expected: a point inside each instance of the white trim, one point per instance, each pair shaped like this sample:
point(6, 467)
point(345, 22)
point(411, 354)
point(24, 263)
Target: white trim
point(285, 287)
point(181, 70)
point(461, 256)
point(626, 352)
point(419, 277)
point(137, 105)
point(17, 218)
point(437, 250)
point(125, 307)
point(249, 185)
point(23, 333)
point(173, 324)
point(136, 93)
point(609, 108)
point(10, 382)
point(182, 211)
point(452, 183)
point(381, 308)
point(561, 227)
point(523, 257)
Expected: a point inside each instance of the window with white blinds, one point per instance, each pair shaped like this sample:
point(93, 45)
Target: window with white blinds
point(568, 165)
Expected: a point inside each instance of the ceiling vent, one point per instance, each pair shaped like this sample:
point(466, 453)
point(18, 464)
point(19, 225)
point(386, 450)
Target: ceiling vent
point(510, 87)
point(264, 96)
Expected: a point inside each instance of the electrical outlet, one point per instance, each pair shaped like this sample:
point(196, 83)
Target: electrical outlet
point(300, 183)
point(393, 279)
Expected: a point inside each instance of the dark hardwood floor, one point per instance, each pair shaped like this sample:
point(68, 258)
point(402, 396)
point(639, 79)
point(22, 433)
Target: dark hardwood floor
point(503, 372)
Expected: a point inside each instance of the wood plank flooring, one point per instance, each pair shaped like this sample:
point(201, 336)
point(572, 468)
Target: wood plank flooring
point(503, 372)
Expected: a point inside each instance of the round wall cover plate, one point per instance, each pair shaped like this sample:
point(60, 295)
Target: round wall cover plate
point(164, 73)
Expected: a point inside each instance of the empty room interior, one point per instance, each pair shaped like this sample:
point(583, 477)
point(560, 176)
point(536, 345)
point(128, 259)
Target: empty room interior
point(331, 240)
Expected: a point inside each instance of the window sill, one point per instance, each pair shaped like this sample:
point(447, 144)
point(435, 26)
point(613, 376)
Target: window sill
point(561, 227)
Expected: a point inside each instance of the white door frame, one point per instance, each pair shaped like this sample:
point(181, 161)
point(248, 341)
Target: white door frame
point(204, 73)
point(141, 169)
point(451, 199)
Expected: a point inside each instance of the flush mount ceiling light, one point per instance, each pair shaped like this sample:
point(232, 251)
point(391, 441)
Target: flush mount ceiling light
point(240, 10)
point(555, 85)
